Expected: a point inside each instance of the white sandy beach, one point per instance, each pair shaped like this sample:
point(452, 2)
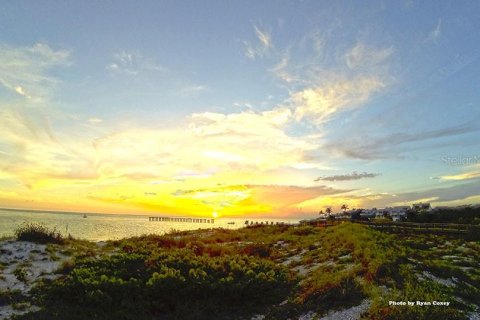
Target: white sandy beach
point(28, 261)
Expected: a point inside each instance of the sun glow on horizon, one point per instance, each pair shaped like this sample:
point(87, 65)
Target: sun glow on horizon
point(280, 118)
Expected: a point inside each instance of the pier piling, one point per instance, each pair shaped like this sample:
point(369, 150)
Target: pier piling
point(182, 219)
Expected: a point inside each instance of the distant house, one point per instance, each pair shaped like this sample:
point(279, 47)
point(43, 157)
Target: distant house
point(369, 213)
point(342, 215)
point(323, 215)
point(380, 213)
point(397, 212)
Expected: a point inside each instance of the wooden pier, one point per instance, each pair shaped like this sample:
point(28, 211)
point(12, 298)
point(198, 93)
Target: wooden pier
point(180, 219)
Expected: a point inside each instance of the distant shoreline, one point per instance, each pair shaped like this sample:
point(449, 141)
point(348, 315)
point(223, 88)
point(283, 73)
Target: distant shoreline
point(72, 212)
point(146, 215)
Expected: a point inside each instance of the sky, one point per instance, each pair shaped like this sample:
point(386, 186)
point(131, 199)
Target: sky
point(238, 108)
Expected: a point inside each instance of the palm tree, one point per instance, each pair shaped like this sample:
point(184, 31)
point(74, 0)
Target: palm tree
point(320, 212)
point(344, 207)
point(328, 210)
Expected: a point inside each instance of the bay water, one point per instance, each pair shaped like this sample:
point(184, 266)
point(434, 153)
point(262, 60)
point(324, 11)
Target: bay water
point(100, 227)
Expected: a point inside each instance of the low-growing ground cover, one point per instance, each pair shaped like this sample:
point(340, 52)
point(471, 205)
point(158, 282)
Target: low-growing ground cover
point(262, 272)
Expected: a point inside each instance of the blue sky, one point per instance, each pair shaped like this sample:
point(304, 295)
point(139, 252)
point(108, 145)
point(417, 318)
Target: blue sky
point(239, 107)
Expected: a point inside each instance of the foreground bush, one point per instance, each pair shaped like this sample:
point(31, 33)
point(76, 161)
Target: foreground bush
point(164, 284)
point(38, 233)
point(235, 274)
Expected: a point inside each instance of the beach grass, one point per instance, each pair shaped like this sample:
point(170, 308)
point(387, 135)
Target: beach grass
point(278, 272)
point(38, 233)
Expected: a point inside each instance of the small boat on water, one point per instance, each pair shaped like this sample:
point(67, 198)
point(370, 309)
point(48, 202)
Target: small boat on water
point(84, 215)
point(231, 222)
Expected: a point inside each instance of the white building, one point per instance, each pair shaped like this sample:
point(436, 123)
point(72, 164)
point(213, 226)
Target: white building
point(369, 213)
point(396, 213)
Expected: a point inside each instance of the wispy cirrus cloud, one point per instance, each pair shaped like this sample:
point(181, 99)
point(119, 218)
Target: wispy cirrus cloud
point(21, 91)
point(94, 120)
point(132, 64)
point(462, 176)
point(323, 83)
point(35, 153)
point(25, 70)
point(471, 173)
point(319, 103)
point(435, 34)
point(367, 57)
point(348, 177)
point(261, 47)
point(282, 72)
point(189, 90)
point(32, 148)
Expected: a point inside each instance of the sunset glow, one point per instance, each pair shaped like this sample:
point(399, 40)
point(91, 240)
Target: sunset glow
point(260, 112)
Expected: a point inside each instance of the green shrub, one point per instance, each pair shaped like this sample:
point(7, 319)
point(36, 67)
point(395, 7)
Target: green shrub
point(38, 233)
point(303, 230)
point(166, 284)
point(257, 250)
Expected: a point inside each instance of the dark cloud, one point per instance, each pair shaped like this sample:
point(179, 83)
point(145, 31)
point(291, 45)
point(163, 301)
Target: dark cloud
point(451, 193)
point(392, 145)
point(348, 177)
point(458, 192)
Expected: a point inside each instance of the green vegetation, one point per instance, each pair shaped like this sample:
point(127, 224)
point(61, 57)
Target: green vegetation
point(280, 272)
point(21, 273)
point(11, 297)
point(159, 277)
point(38, 233)
point(467, 215)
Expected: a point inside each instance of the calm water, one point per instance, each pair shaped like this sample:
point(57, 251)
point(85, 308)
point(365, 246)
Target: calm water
point(97, 227)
